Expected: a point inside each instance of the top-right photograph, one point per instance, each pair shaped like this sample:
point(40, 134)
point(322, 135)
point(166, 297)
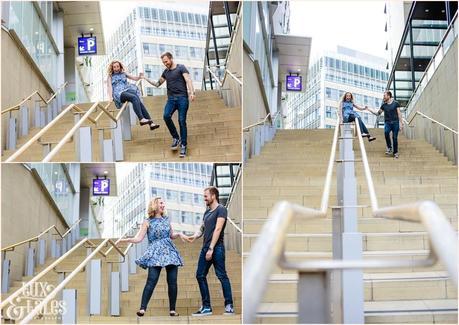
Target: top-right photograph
point(350, 199)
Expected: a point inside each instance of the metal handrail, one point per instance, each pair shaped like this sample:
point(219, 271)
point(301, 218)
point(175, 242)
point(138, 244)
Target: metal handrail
point(273, 118)
point(431, 119)
point(16, 107)
point(439, 230)
point(270, 246)
point(42, 273)
point(61, 143)
point(72, 131)
point(238, 176)
point(58, 288)
point(61, 286)
point(35, 238)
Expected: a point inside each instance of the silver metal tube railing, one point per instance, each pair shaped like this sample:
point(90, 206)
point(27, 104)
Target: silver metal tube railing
point(263, 121)
point(431, 119)
point(270, 245)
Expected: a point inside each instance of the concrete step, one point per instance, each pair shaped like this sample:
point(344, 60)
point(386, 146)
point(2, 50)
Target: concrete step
point(382, 312)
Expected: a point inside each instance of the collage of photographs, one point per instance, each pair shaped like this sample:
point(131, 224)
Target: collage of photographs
point(229, 162)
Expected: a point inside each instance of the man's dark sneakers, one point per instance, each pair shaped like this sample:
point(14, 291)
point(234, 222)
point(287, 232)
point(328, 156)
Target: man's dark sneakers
point(182, 151)
point(203, 311)
point(175, 144)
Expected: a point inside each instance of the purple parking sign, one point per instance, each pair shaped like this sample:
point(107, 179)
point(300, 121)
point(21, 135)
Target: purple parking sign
point(101, 187)
point(294, 83)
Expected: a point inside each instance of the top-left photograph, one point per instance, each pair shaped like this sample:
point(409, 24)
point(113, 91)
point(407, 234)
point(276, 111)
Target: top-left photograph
point(105, 81)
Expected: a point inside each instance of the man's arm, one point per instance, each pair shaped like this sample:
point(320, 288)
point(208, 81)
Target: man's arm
point(215, 236)
point(156, 83)
point(400, 118)
point(197, 234)
point(189, 85)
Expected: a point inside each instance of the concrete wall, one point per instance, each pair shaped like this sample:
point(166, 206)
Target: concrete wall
point(439, 101)
point(19, 79)
point(233, 238)
point(254, 108)
point(26, 211)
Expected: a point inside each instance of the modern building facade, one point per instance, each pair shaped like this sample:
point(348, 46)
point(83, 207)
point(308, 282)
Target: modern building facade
point(329, 77)
point(146, 33)
point(270, 55)
point(414, 30)
point(40, 51)
point(181, 186)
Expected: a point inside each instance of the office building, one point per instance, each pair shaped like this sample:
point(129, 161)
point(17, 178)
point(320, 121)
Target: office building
point(333, 74)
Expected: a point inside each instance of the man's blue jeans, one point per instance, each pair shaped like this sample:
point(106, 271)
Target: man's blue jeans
point(181, 104)
point(218, 260)
point(394, 127)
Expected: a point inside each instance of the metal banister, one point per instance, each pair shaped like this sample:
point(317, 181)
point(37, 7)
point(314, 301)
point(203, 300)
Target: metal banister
point(431, 119)
point(238, 177)
point(58, 288)
point(36, 238)
point(66, 138)
point(273, 118)
point(61, 286)
point(43, 273)
point(270, 245)
point(16, 107)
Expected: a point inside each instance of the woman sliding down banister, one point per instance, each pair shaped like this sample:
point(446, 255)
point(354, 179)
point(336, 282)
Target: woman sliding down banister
point(120, 91)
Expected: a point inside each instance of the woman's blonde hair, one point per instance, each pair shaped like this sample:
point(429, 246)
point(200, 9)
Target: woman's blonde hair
point(110, 67)
point(343, 99)
point(153, 207)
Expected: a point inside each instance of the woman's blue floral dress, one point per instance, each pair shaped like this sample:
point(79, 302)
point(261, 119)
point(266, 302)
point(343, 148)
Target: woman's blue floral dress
point(120, 84)
point(161, 250)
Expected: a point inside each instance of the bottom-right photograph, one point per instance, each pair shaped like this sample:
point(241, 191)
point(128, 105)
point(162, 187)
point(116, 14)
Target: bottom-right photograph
point(350, 195)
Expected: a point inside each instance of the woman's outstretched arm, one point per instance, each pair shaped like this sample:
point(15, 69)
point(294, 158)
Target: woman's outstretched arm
point(139, 236)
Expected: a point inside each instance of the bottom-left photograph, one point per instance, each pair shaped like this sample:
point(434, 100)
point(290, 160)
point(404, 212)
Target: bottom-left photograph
point(121, 243)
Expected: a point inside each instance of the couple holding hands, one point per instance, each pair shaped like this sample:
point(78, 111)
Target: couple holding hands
point(180, 92)
point(393, 120)
point(162, 252)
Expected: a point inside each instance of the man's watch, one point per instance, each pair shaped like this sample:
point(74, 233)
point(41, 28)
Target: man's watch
point(210, 249)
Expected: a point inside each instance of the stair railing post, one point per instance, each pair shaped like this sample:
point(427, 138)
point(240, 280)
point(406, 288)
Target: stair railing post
point(6, 264)
point(348, 244)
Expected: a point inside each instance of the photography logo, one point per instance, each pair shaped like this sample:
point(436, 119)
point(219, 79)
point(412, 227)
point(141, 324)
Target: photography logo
point(33, 295)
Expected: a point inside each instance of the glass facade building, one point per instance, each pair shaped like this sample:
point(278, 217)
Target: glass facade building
point(62, 182)
point(180, 185)
point(259, 38)
point(35, 26)
point(424, 26)
point(144, 35)
point(329, 78)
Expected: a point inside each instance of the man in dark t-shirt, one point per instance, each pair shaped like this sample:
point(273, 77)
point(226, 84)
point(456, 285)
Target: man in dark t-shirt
point(179, 92)
point(393, 122)
point(212, 252)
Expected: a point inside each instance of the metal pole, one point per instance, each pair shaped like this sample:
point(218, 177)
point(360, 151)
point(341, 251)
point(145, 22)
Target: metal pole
point(94, 287)
point(228, 17)
point(413, 82)
point(348, 245)
point(5, 273)
point(211, 20)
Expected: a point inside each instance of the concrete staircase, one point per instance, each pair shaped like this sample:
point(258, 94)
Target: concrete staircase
point(214, 134)
point(292, 167)
point(188, 299)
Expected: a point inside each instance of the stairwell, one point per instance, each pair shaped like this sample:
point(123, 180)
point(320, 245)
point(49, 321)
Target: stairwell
point(188, 298)
point(292, 167)
point(214, 134)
